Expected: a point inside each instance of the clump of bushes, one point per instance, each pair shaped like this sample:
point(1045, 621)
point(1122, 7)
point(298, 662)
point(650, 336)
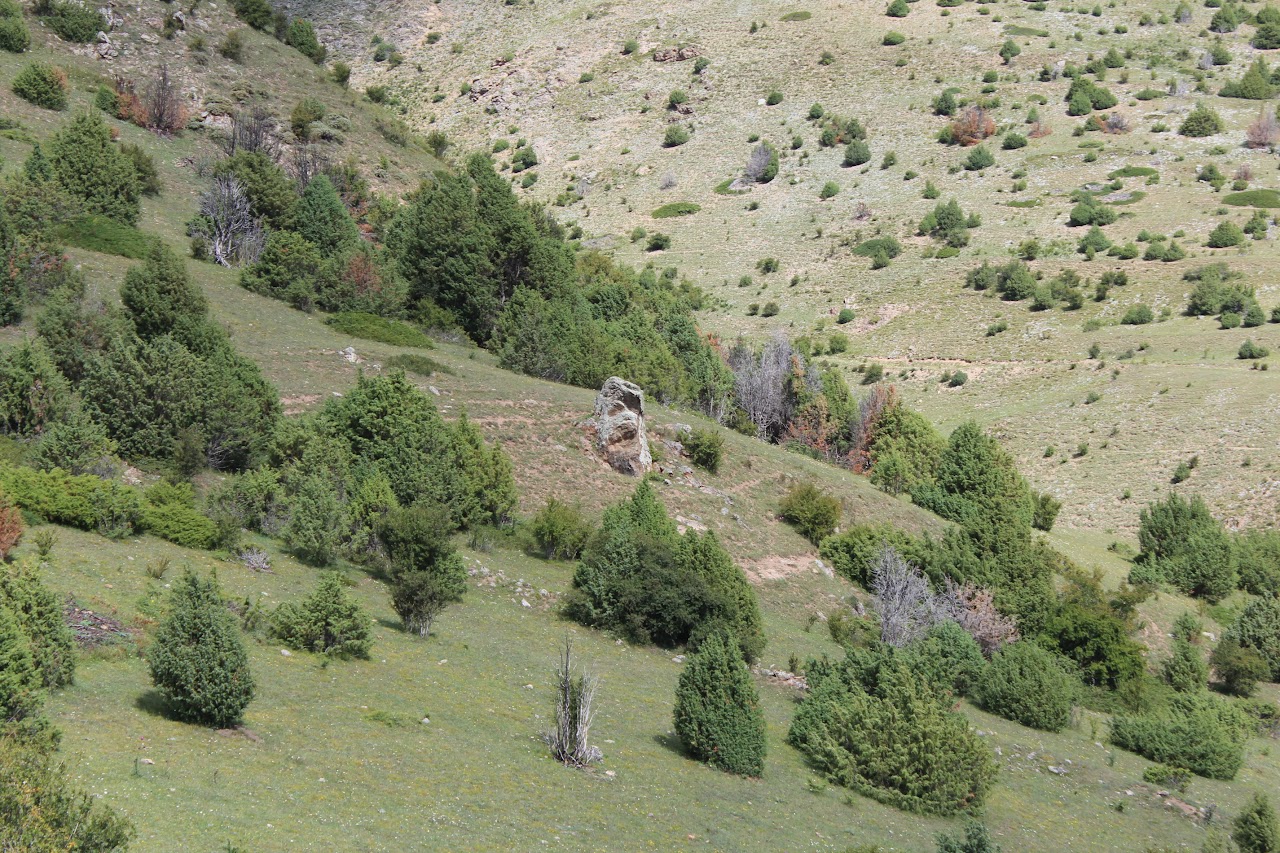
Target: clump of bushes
point(1199, 731)
point(559, 530)
point(717, 711)
point(1029, 685)
point(13, 30)
point(812, 512)
point(1201, 121)
point(42, 85)
point(198, 660)
point(328, 622)
point(705, 447)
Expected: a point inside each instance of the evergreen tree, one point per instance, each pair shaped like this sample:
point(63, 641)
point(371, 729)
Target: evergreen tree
point(91, 168)
point(427, 575)
point(976, 839)
point(488, 485)
point(315, 525)
point(1026, 684)
point(37, 167)
point(290, 269)
point(1255, 829)
point(33, 394)
point(1258, 628)
point(322, 219)
point(717, 711)
point(704, 556)
point(1186, 671)
point(20, 694)
point(198, 659)
point(271, 193)
point(898, 9)
point(328, 622)
point(38, 612)
point(1183, 543)
point(160, 296)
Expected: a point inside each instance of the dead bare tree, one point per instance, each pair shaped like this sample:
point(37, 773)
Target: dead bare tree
point(226, 223)
point(306, 161)
point(575, 695)
point(761, 383)
point(757, 163)
point(974, 609)
point(1264, 132)
point(1116, 123)
point(902, 598)
point(253, 131)
point(163, 103)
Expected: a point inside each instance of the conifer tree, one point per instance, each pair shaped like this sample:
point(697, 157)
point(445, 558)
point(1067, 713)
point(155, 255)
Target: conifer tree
point(90, 167)
point(37, 167)
point(39, 614)
point(160, 296)
point(328, 622)
point(198, 659)
point(1255, 829)
point(1186, 671)
point(427, 575)
point(717, 711)
point(20, 694)
point(322, 218)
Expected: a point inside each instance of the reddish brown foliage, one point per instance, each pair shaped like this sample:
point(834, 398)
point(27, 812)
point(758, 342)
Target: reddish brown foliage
point(974, 608)
point(1039, 129)
point(812, 428)
point(363, 275)
point(870, 408)
point(11, 528)
point(972, 126)
point(1264, 132)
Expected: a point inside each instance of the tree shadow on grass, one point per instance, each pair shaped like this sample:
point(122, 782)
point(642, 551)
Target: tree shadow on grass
point(671, 743)
point(153, 702)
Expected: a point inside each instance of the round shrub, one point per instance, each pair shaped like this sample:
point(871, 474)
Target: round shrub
point(813, 513)
point(900, 744)
point(948, 656)
point(717, 712)
point(13, 34)
point(42, 85)
point(1201, 121)
point(1225, 236)
point(705, 447)
point(675, 136)
point(892, 39)
point(856, 153)
point(1138, 315)
point(1249, 350)
point(1027, 684)
point(198, 659)
point(329, 622)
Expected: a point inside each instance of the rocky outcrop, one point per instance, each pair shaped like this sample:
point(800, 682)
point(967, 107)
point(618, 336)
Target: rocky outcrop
point(674, 54)
point(620, 431)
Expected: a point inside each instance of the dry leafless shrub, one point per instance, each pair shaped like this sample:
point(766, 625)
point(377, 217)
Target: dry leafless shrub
point(1115, 123)
point(760, 383)
point(575, 697)
point(972, 126)
point(226, 224)
point(902, 598)
point(1264, 132)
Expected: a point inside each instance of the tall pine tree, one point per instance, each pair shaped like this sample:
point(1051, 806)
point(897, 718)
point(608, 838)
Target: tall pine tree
point(717, 712)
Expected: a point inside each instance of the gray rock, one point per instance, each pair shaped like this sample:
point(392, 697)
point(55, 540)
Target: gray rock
point(620, 429)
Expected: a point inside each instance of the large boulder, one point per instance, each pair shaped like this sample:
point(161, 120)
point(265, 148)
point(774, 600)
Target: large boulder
point(619, 423)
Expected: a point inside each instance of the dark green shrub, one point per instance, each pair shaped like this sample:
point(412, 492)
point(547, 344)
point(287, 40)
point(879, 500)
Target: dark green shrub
point(1199, 731)
point(853, 552)
point(1255, 830)
point(20, 685)
point(75, 22)
point(846, 316)
point(979, 158)
point(773, 98)
point(560, 531)
point(1185, 545)
point(948, 657)
point(1138, 315)
point(1045, 512)
point(641, 579)
point(373, 328)
point(704, 447)
point(856, 153)
point(1249, 350)
point(898, 9)
point(197, 659)
point(1201, 121)
point(1238, 668)
point(255, 13)
point(1225, 235)
point(812, 512)
point(301, 36)
point(675, 136)
point(1028, 685)
point(1186, 670)
point(37, 610)
point(170, 513)
point(976, 839)
point(88, 165)
point(328, 622)
point(717, 711)
point(892, 39)
point(427, 575)
point(14, 36)
point(232, 46)
point(898, 743)
point(85, 501)
point(42, 85)
point(1013, 141)
point(1258, 628)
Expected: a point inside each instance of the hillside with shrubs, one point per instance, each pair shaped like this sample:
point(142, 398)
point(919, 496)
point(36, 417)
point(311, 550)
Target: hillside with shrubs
point(388, 462)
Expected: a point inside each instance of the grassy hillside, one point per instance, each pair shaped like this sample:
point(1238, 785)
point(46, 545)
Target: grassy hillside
point(555, 75)
point(435, 744)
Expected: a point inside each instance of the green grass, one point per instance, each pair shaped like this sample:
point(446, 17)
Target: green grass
point(1025, 32)
point(797, 16)
point(676, 208)
point(371, 327)
point(724, 188)
point(1024, 202)
point(100, 234)
point(1253, 198)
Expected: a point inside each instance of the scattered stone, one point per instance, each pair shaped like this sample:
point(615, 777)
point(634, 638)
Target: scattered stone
point(286, 653)
point(672, 54)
